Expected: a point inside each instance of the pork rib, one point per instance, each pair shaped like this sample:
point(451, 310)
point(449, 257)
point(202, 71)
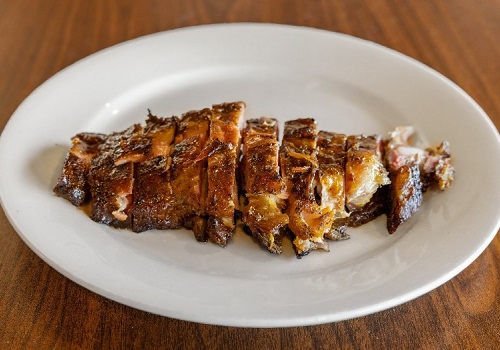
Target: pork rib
point(262, 185)
point(223, 157)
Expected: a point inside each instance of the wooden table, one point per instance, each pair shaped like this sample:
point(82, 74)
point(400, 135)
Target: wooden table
point(39, 308)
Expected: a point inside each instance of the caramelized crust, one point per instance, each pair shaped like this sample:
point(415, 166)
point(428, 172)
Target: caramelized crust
point(405, 195)
point(224, 151)
point(155, 206)
point(111, 177)
point(262, 184)
point(72, 184)
point(299, 165)
point(189, 175)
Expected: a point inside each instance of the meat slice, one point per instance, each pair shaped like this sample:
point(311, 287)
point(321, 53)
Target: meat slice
point(111, 176)
point(189, 170)
point(331, 183)
point(413, 170)
point(72, 184)
point(405, 196)
point(223, 157)
point(365, 171)
point(263, 187)
point(299, 166)
point(154, 204)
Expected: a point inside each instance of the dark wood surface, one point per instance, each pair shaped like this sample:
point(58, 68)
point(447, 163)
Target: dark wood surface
point(39, 308)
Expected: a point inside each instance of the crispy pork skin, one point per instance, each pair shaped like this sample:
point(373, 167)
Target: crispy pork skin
point(299, 165)
point(262, 184)
point(222, 163)
point(72, 184)
point(405, 195)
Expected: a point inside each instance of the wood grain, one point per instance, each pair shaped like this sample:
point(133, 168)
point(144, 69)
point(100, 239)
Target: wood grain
point(39, 308)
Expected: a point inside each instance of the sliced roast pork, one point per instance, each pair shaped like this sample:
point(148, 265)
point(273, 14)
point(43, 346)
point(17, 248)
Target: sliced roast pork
point(72, 184)
point(262, 184)
point(222, 163)
point(154, 204)
point(189, 170)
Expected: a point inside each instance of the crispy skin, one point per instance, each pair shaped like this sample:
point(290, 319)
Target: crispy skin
point(223, 157)
point(154, 204)
point(111, 177)
point(72, 184)
point(189, 175)
point(331, 181)
point(405, 195)
point(262, 184)
point(365, 171)
point(299, 165)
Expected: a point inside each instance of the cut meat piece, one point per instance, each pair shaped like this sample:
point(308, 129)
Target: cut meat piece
point(405, 195)
point(331, 183)
point(155, 206)
point(223, 157)
point(189, 174)
point(263, 187)
point(72, 184)
point(299, 165)
point(365, 171)
point(437, 169)
point(111, 176)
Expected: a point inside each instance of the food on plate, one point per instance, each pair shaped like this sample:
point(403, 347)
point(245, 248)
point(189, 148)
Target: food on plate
point(73, 182)
point(263, 189)
point(222, 164)
point(209, 168)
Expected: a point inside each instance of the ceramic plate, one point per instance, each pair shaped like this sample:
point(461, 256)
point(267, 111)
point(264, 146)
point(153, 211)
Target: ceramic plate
point(348, 85)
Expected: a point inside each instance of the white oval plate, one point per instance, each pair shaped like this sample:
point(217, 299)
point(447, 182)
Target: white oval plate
point(347, 84)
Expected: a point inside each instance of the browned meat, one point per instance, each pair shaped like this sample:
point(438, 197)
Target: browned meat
point(437, 169)
point(331, 183)
point(299, 165)
point(189, 174)
point(154, 204)
point(111, 177)
point(365, 171)
point(262, 184)
point(223, 158)
point(72, 184)
point(405, 195)
point(412, 171)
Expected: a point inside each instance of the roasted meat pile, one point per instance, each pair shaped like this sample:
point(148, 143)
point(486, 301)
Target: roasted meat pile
point(209, 168)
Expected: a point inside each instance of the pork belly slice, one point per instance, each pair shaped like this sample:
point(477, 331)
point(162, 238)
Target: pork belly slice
point(111, 177)
point(299, 165)
point(262, 185)
point(72, 184)
point(365, 171)
point(154, 204)
point(189, 170)
point(223, 157)
point(331, 183)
